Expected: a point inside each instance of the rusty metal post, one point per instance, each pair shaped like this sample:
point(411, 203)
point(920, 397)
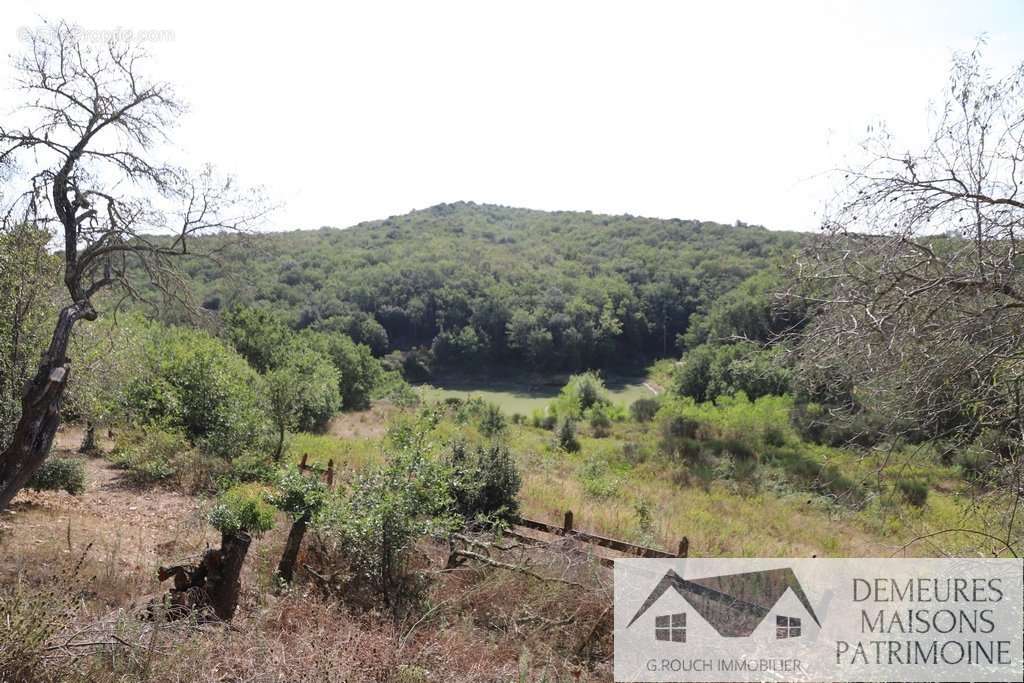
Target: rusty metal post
point(567, 525)
point(684, 547)
point(330, 473)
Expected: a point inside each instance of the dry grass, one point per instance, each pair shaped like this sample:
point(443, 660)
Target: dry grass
point(475, 624)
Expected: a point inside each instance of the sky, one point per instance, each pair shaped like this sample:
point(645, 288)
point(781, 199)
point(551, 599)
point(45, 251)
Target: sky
point(347, 112)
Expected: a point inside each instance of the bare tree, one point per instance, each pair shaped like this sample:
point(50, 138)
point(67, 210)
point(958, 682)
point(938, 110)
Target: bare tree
point(87, 144)
point(917, 279)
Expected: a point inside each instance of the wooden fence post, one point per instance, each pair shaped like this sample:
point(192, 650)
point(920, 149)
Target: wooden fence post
point(302, 463)
point(567, 525)
point(684, 547)
point(330, 473)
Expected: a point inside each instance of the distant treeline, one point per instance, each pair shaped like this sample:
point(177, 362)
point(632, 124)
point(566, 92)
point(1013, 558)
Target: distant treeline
point(479, 285)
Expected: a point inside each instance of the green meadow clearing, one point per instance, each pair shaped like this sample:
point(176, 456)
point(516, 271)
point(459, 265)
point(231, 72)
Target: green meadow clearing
point(524, 395)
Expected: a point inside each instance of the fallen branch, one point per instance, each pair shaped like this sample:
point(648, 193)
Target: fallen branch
point(483, 559)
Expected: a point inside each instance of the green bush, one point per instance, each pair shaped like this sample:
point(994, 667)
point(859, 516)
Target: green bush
point(677, 436)
point(360, 373)
point(57, 474)
point(485, 482)
point(243, 508)
point(296, 494)
point(597, 481)
point(249, 468)
point(492, 420)
point(303, 390)
point(634, 453)
point(735, 448)
point(543, 420)
point(148, 455)
point(582, 393)
point(712, 370)
point(368, 534)
point(199, 385)
point(600, 423)
point(644, 409)
point(837, 428)
point(913, 491)
point(975, 463)
point(565, 438)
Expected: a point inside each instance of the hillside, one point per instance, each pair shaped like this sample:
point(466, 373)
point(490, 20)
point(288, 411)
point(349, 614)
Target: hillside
point(481, 284)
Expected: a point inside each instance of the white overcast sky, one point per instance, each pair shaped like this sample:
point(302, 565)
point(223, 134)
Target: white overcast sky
point(714, 110)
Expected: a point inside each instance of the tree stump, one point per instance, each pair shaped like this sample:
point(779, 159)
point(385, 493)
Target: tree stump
point(214, 584)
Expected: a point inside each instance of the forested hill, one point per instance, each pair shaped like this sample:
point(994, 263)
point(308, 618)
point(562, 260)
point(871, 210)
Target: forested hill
point(480, 284)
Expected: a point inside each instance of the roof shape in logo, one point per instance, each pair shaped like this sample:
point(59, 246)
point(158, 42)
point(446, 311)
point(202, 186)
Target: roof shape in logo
point(734, 604)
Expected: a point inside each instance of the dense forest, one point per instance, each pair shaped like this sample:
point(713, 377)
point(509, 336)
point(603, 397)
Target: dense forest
point(478, 285)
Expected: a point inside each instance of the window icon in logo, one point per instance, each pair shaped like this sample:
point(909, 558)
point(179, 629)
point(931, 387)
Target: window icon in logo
point(787, 627)
point(671, 627)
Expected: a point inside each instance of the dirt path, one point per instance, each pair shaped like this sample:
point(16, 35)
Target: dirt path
point(132, 531)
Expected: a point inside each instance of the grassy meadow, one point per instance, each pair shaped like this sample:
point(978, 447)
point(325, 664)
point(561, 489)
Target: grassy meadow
point(523, 396)
point(792, 498)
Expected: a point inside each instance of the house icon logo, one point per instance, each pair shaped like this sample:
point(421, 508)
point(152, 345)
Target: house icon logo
point(734, 605)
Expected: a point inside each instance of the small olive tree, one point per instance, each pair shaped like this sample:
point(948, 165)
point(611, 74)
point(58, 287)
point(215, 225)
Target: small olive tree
point(299, 497)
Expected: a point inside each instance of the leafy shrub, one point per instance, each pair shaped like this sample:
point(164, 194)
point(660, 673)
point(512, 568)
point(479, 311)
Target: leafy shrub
point(677, 436)
point(600, 423)
point(913, 491)
point(243, 508)
point(296, 494)
point(518, 419)
point(199, 385)
point(249, 468)
point(543, 420)
point(395, 389)
point(57, 474)
point(492, 420)
point(975, 463)
point(709, 371)
point(416, 365)
point(360, 373)
point(634, 453)
point(257, 334)
point(565, 438)
point(735, 448)
point(644, 409)
point(369, 532)
point(837, 428)
point(303, 389)
point(582, 393)
point(150, 455)
point(597, 481)
point(485, 482)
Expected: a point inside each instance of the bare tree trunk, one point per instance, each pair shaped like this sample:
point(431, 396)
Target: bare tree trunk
point(40, 407)
point(286, 567)
point(280, 444)
point(89, 441)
